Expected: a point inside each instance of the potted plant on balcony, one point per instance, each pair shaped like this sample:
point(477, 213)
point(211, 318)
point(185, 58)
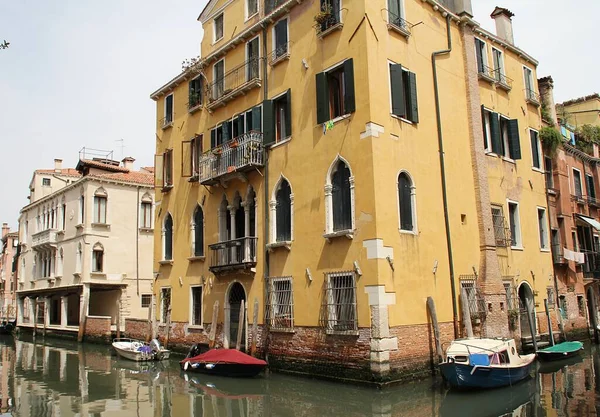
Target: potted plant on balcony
point(217, 150)
point(324, 14)
point(234, 143)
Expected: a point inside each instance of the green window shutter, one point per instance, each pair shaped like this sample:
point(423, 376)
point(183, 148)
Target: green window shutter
point(496, 137)
point(288, 113)
point(349, 99)
point(514, 143)
point(413, 105)
point(398, 99)
point(213, 138)
point(485, 138)
point(256, 119)
point(322, 98)
point(535, 155)
point(268, 123)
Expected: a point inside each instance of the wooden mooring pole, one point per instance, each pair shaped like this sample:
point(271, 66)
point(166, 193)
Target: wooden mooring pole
point(254, 327)
point(168, 326)
point(436, 328)
point(213, 326)
point(119, 318)
point(550, 332)
point(466, 310)
point(238, 342)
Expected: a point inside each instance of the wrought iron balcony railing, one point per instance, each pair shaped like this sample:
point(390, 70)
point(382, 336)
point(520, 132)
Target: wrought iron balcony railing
point(399, 24)
point(234, 83)
point(166, 121)
point(532, 97)
point(44, 239)
point(237, 155)
point(487, 73)
point(593, 201)
point(280, 53)
point(502, 80)
point(591, 267)
point(327, 19)
point(233, 254)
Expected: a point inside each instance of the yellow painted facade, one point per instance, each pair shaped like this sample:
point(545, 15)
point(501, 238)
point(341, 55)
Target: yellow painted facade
point(395, 270)
point(583, 111)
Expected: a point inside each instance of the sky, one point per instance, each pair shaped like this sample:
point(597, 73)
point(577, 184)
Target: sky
point(79, 73)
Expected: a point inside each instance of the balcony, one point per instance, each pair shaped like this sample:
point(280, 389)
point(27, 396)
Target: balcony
point(44, 240)
point(398, 24)
point(239, 155)
point(486, 73)
point(502, 81)
point(578, 198)
point(532, 97)
point(234, 83)
point(231, 255)
point(327, 21)
point(593, 201)
point(591, 267)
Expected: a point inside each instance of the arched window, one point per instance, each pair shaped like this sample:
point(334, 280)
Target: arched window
point(78, 259)
point(340, 198)
point(98, 258)
point(100, 197)
point(198, 232)
point(406, 203)
point(168, 238)
point(283, 212)
point(146, 212)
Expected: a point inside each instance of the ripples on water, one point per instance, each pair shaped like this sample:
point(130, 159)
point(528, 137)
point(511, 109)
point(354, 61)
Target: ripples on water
point(60, 378)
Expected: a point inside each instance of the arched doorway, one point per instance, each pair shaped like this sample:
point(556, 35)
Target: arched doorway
point(234, 301)
point(526, 304)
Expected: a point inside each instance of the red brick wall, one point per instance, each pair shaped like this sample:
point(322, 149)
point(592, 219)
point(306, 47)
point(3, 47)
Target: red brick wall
point(97, 327)
point(136, 328)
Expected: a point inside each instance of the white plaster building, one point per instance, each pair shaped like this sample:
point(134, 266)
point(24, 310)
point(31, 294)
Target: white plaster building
point(86, 246)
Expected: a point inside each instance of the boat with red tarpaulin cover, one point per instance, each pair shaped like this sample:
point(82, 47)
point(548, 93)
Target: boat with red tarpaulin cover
point(223, 362)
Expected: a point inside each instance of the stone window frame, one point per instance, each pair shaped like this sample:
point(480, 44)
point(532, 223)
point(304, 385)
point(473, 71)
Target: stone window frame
point(413, 203)
point(329, 232)
point(191, 312)
point(273, 211)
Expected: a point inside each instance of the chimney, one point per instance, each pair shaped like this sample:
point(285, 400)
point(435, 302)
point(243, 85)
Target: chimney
point(5, 229)
point(463, 7)
point(58, 166)
point(503, 18)
point(546, 86)
point(128, 162)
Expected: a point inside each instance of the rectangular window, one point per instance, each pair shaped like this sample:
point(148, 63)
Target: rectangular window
point(543, 228)
point(333, 14)
point(498, 66)
point(196, 313)
point(168, 168)
point(396, 14)
point(591, 190)
point(46, 182)
point(146, 300)
point(251, 8)
point(146, 215)
point(218, 79)
point(165, 304)
point(575, 242)
point(280, 39)
point(577, 183)
point(341, 302)
point(283, 116)
point(530, 93)
point(218, 28)
point(195, 153)
point(551, 297)
point(99, 209)
point(97, 260)
point(548, 172)
point(280, 312)
point(403, 89)
point(536, 149)
point(253, 55)
point(475, 305)
point(486, 120)
point(515, 225)
point(168, 110)
point(499, 226)
point(195, 92)
point(481, 53)
point(335, 92)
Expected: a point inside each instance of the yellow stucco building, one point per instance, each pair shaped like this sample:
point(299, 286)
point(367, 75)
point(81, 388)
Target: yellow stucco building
point(326, 161)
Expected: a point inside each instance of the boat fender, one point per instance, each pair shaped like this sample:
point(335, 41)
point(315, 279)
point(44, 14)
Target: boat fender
point(210, 365)
point(186, 366)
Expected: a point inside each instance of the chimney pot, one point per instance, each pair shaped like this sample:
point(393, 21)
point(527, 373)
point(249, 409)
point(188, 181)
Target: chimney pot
point(5, 229)
point(58, 165)
point(128, 162)
point(503, 19)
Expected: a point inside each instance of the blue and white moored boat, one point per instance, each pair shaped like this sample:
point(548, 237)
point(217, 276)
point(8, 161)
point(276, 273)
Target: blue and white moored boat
point(485, 363)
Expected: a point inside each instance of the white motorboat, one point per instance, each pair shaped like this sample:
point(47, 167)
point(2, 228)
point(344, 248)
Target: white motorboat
point(136, 350)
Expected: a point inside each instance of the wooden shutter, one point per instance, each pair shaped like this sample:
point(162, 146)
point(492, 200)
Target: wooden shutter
point(398, 98)
point(496, 137)
point(257, 119)
point(288, 113)
point(478, 51)
point(413, 105)
point(514, 143)
point(213, 138)
point(235, 127)
point(186, 158)
point(158, 171)
point(485, 138)
point(322, 98)
point(535, 154)
point(349, 99)
point(268, 122)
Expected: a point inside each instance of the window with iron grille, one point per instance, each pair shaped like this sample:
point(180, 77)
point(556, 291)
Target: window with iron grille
point(146, 300)
point(196, 294)
point(476, 305)
point(499, 226)
point(510, 297)
point(339, 312)
point(280, 303)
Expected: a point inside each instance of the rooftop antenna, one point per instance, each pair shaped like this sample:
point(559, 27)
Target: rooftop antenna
point(122, 146)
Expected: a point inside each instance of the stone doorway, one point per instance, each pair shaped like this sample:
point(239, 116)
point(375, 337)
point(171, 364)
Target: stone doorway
point(526, 310)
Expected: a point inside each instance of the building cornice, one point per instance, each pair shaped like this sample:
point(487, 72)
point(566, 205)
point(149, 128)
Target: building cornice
point(520, 53)
point(581, 155)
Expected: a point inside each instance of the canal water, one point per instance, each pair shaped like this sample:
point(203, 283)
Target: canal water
point(61, 378)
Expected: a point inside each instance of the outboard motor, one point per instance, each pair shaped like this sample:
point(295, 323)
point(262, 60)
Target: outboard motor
point(155, 345)
point(195, 350)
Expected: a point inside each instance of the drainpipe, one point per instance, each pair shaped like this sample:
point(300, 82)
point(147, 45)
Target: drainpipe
point(137, 243)
point(438, 115)
point(266, 194)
